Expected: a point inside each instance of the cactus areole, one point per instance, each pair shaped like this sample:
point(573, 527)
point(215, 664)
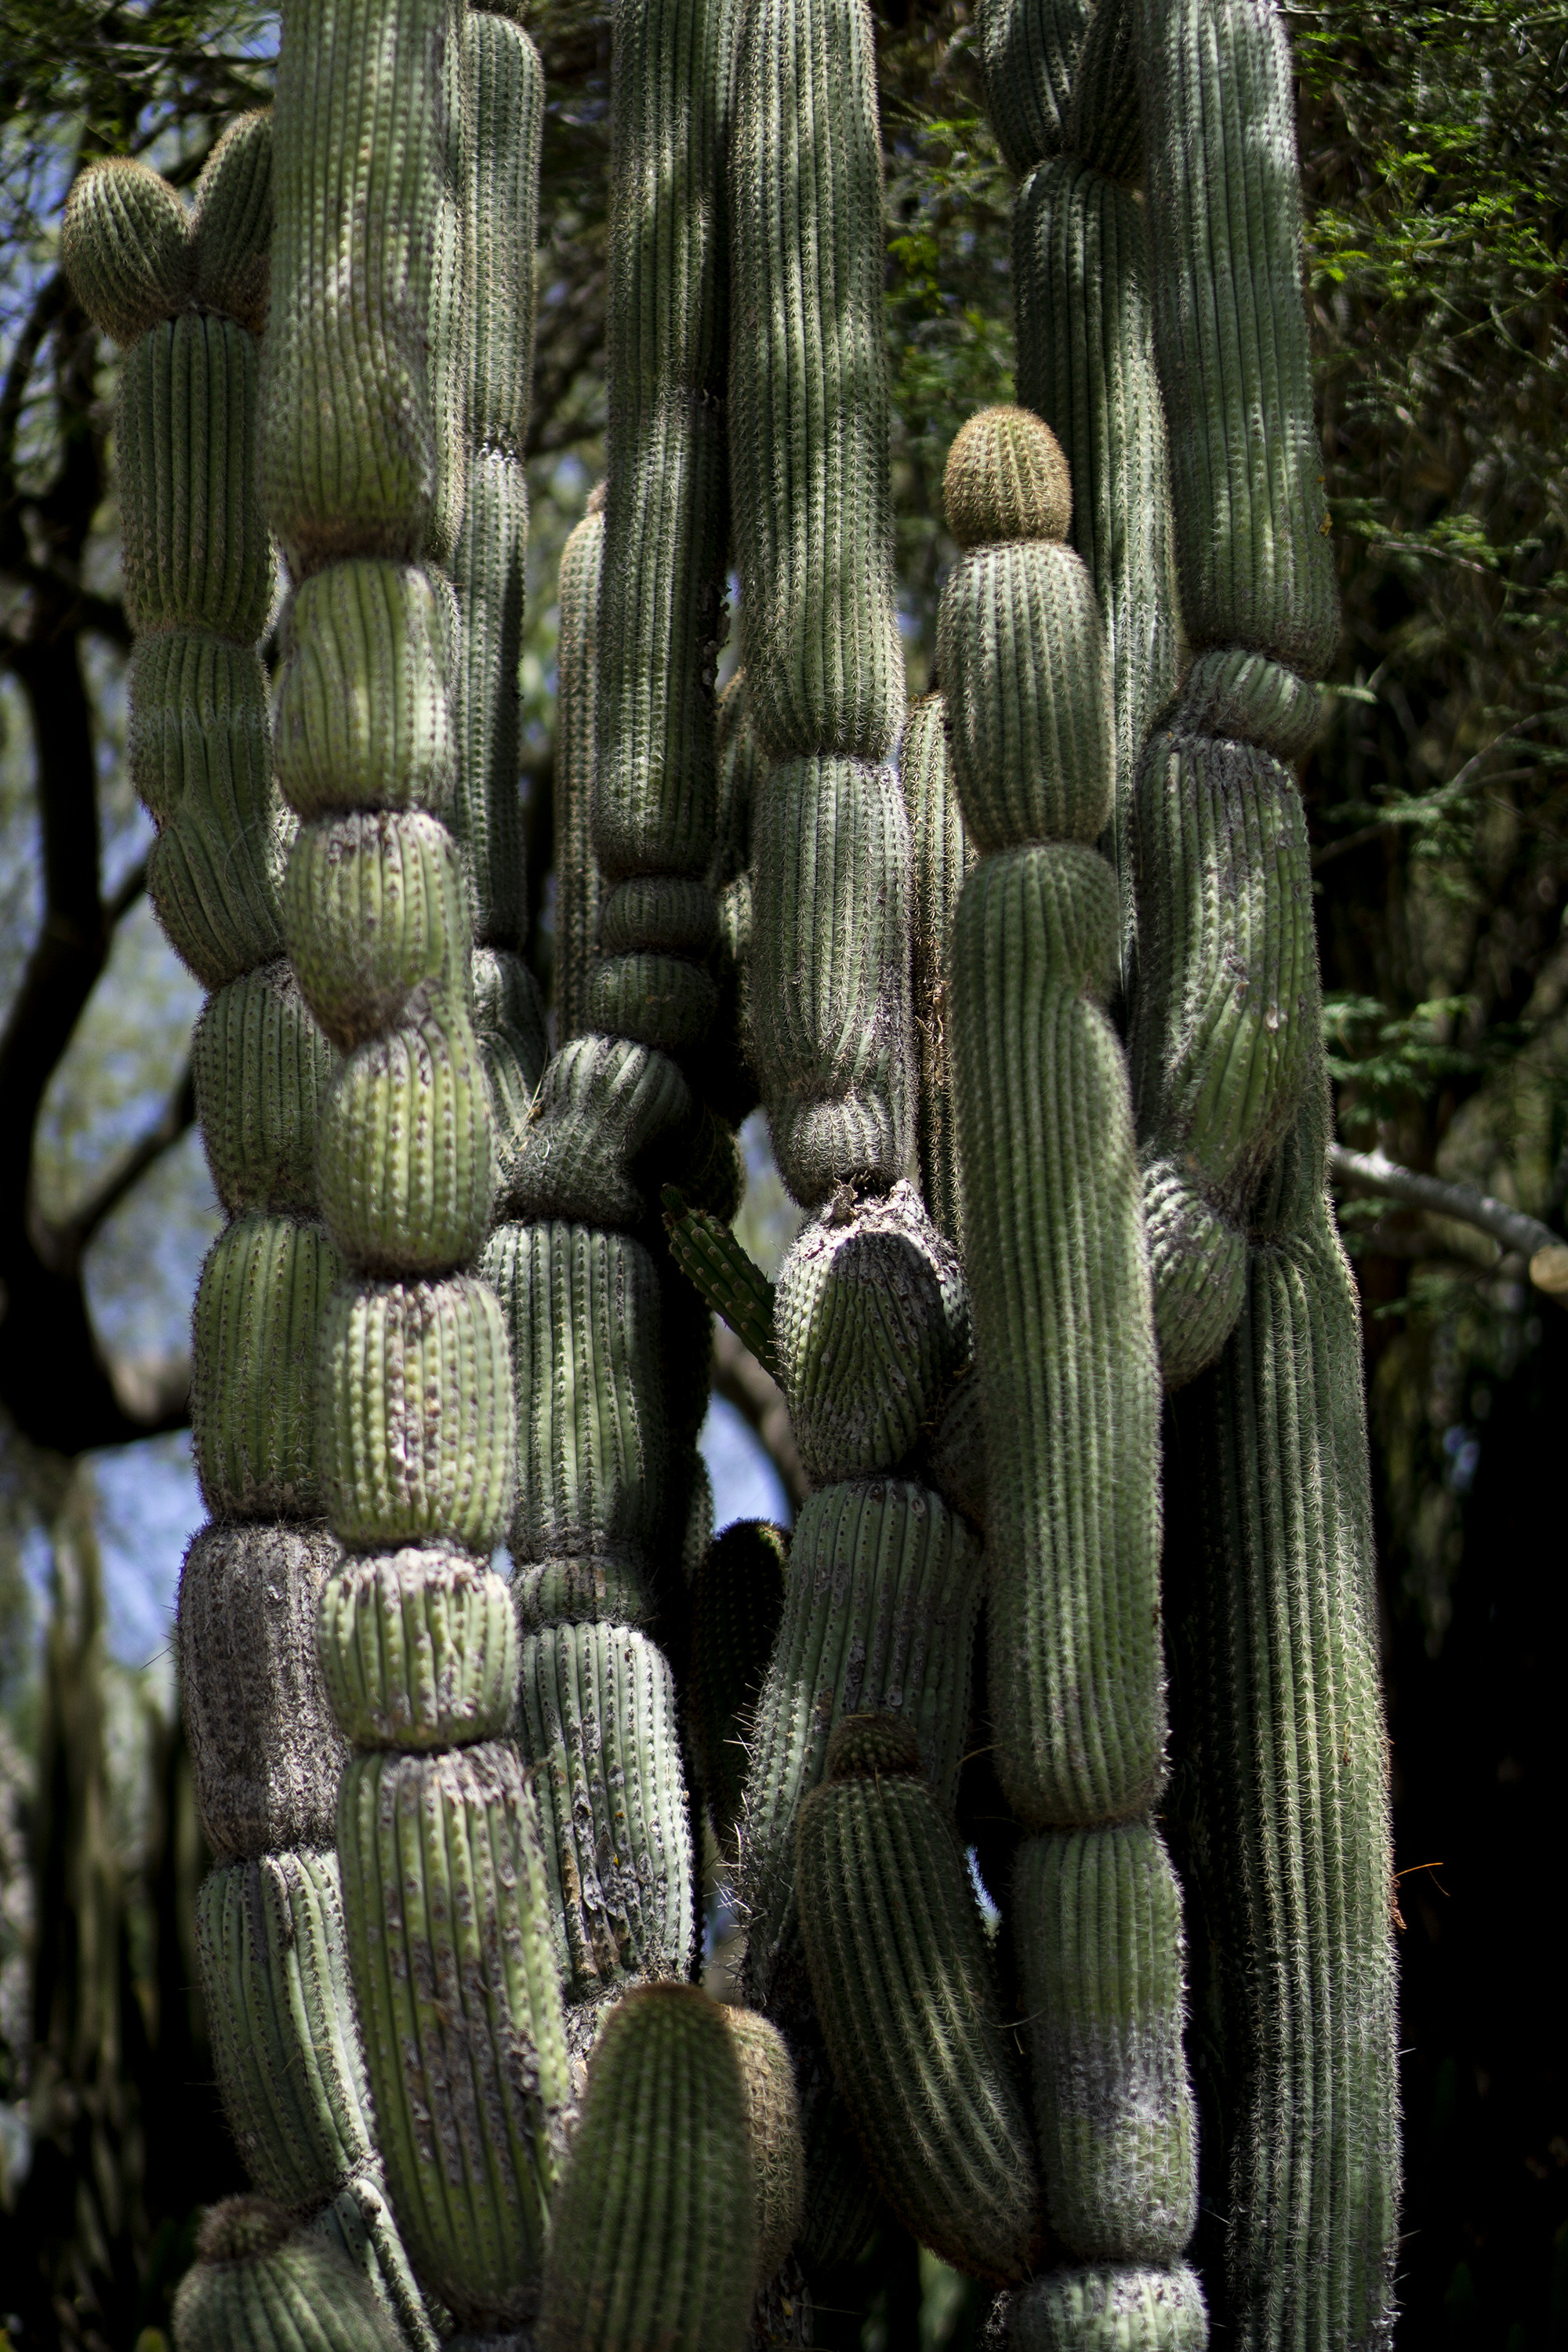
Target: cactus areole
point(1025, 982)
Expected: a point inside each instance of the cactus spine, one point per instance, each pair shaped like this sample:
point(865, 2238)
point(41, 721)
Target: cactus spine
point(1066, 1353)
point(408, 143)
point(1233, 1119)
point(188, 292)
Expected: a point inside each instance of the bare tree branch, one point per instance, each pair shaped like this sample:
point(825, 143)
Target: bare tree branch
point(65, 1242)
point(1544, 1251)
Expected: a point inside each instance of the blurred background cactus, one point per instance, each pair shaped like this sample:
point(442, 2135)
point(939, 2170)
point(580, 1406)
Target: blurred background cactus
point(974, 847)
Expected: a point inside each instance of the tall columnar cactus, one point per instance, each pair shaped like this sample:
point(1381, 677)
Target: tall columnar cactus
point(188, 294)
point(1066, 1353)
point(577, 887)
point(1062, 85)
point(1234, 1119)
point(403, 133)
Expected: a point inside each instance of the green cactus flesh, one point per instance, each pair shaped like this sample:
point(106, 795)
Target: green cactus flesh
point(364, 710)
point(1110, 2310)
point(258, 2283)
point(1063, 1339)
point(1101, 1963)
point(581, 1309)
point(603, 1104)
point(1105, 117)
point(578, 885)
point(126, 248)
point(454, 1968)
point(1028, 49)
point(737, 1607)
point(654, 2236)
point(418, 1649)
point(772, 2130)
point(263, 1290)
point(416, 1428)
point(374, 909)
point(870, 1323)
point(360, 2224)
point(908, 2006)
point(274, 1975)
point(730, 1282)
point(809, 386)
point(880, 1613)
point(1255, 558)
point(827, 983)
point(261, 1069)
point(598, 1728)
point(943, 854)
point(231, 223)
point(1271, 1464)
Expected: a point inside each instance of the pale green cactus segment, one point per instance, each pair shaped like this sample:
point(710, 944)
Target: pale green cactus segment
point(808, 385)
point(827, 990)
point(1232, 690)
point(1105, 120)
point(505, 116)
point(870, 1325)
point(418, 1649)
point(274, 1977)
point(373, 907)
point(772, 2130)
point(1028, 49)
point(653, 2238)
point(454, 1971)
point(1110, 2310)
point(509, 1021)
point(231, 227)
point(1080, 271)
point(359, 2222)
point(200, 757)
point(603, 1104)
point(880, 1613)
point(737, 1605)
point(1006, 479)
point(365, 718)
point(578, 887)
point(415, 1436)
point(1227, 1026)
point(664, 911)
point(1064, 1340)
point(1197, 1261)
point(1271, 1462)
point(259, 2283)
point(405, 1164)
point(194, 545)
point(125, 246)
point(1100, 1958)
point(740, 763)
point(261, 1069)
point(1026, 666)
point(577, 1590)
point(1224, 196)
point(583, 1316)
point(661, 1000)
point(260, 1303)
point(943, 854)
point(349, 448)
point(909, 2010)
point(598, 1727)
point(731, 1283)
point(265, 1749)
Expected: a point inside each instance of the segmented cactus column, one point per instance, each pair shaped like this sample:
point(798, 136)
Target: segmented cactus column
point(453, 1959)
point(1061, 85)
point(611, 1382)
point(189, 297)
point(577, 889)
point(1070, 1390)
point(871, 1318)
point(1233, 1115)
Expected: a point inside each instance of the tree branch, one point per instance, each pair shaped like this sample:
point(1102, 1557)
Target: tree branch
point(1546, 1252)
point(741, 1381)
point(65, 1242)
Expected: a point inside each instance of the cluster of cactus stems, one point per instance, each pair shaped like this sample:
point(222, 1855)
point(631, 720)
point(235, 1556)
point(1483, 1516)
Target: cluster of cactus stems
point(448, 1941)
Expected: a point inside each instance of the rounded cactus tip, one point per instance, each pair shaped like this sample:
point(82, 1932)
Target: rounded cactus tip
point(241, 2229)
point(874, 1747)
point(1006, 479)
